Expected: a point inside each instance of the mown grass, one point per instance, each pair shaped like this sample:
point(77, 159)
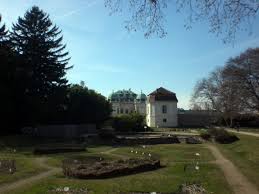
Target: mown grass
point(245, 155)
point(167, 179)
point(26, 166)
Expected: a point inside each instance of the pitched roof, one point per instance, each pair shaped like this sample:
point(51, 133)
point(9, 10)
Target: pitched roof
point(162, 94)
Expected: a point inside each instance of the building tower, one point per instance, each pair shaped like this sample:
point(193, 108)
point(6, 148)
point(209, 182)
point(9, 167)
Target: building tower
point(162, 108)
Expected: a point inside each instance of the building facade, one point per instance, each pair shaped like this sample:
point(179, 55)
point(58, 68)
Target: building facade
point(127, 102)
point(162, 109)
point(159, 107)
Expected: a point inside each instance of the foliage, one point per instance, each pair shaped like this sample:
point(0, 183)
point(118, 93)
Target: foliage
point(128, 123)
point(205, 135)
point(244, 71)
point(42, 73)
point(9, 59)
point(231, 90)
point(33, 82)
point(85, 106)
point(218, 93)
point(225, 17)
point(220, 135)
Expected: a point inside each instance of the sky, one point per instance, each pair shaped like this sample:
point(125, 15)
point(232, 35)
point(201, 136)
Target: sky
point(108, 58)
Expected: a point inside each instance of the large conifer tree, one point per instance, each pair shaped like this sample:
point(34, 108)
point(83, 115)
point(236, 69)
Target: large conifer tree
point(7, 71)
point(3, 31)
point(39, 43)
point(42, 84)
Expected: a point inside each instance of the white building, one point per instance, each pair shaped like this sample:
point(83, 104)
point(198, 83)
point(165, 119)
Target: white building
point(160, 107)
point(126, 102)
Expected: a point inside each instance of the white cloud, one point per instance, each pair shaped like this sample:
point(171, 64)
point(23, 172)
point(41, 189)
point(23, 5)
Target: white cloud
point(84, 6)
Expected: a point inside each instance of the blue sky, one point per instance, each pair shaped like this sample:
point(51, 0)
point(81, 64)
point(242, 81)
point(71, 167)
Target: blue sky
point(109, 58)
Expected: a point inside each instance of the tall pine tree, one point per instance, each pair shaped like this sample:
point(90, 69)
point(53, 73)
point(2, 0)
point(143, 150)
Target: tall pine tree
point(7, 72)
point(39, 42)
point(45, 62)
point(3, 32)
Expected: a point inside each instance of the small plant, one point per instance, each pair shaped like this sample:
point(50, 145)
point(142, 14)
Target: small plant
point(8, 166)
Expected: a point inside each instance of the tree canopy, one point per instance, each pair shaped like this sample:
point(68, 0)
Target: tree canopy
point(225, 17)
point(39, 42)
point(232, 89)
point(34, 87)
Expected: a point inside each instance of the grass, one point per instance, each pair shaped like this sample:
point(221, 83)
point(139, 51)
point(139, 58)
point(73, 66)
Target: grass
point(245, 155)
point(175, 157)
point(254, 130)
point(25, 167)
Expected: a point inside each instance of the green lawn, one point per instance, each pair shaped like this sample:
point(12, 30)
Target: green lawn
point(253, 130)
point(167, 179)
point(25, 166)
point(245, 155)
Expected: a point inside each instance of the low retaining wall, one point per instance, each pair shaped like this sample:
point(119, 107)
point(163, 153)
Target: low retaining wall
point(147, 140)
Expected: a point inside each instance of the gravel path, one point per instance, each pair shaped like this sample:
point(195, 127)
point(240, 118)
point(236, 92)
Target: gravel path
point(30, 180)
point(244, 133)
point(239, 183)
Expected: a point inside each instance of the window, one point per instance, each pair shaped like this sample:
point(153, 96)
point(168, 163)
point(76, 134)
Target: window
point(126, 111)
point(164, 109)
point(121, 110)
point(118, 111)
point(164, 120)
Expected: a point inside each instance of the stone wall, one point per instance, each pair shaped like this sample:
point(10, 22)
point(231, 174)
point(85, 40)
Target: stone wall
point(65, 131)
point(196, 118)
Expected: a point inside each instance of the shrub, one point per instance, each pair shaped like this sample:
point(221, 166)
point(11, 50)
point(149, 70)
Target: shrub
point(193, 140)
point(225, 137)
point(220, 136)
point(205, 135)
point(107, 132)
point(128, 123)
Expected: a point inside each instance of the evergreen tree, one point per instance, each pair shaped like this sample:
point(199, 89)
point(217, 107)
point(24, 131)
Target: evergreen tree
point(39, 42)
point(7, 72)
point(45, 62)
point(3, 32)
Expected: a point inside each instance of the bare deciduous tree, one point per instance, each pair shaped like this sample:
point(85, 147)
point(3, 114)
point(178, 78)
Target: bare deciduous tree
point(225, 17)
point(219, 93)
point(244, 71)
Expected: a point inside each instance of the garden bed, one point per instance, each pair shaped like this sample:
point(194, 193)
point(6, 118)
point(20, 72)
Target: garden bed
point(108, 169)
